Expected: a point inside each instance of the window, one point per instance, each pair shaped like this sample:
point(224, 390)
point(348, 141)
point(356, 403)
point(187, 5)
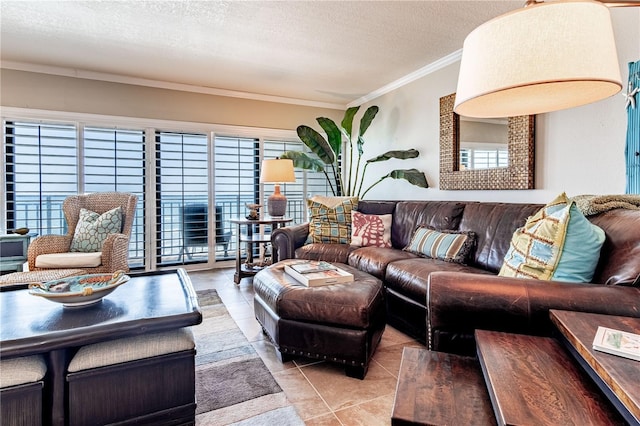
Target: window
point(483, 158)
point(181, 188)
point(41, 171)
point(114, 160)
point(180, 175)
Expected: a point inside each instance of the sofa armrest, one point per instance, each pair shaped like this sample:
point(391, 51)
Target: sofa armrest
point(459, 303)
point(287, 239)
point(46, 244)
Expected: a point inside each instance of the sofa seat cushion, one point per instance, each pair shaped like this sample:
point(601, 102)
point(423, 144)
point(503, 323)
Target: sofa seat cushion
point(374, 260)
point(69, 260)
point(18, 371)
point(409, 277)
point(328, 252)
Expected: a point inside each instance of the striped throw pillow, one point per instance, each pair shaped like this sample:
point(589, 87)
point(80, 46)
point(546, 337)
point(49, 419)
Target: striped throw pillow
point(450, 246)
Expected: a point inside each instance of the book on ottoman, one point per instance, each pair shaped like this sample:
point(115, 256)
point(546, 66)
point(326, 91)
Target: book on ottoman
point(316, 273)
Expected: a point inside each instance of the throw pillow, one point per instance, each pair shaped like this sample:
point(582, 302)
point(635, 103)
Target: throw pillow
point(370, 230)
point(450, 246)
point(92, 229)
point(557, 243)
point(331, 224)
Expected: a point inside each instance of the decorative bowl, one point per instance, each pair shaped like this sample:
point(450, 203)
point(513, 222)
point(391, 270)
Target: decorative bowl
point(82, 290)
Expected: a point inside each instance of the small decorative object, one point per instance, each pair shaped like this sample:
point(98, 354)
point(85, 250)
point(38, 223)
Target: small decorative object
point(277, 171)
point(253, 211)
point(77, 291)
point(20, 231)
point(630, 96)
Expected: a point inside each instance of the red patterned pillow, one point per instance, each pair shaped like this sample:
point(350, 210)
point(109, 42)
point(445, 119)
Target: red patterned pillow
point(370, 230)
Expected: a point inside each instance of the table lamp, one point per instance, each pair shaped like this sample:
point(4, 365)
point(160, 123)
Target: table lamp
point(277, 171)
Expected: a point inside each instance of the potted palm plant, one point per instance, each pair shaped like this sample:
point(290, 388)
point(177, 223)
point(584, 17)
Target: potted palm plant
point(328, 155)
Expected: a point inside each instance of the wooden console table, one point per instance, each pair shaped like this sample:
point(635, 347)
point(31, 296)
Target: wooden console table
point(252, 236)
point(618, 378)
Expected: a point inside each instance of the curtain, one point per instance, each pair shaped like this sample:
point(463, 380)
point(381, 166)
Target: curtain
point(632, 150)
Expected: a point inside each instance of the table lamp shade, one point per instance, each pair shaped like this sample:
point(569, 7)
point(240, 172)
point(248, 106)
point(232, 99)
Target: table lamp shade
point(277, 171)
point(542, 58)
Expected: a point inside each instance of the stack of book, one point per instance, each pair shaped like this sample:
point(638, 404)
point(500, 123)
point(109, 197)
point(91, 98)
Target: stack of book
point(313, 273)
point(617, 342)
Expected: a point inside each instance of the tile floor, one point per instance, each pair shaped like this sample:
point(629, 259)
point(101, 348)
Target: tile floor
point(320, 391)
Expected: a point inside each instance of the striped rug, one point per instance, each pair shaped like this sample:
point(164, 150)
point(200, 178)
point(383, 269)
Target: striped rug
point(233, 386)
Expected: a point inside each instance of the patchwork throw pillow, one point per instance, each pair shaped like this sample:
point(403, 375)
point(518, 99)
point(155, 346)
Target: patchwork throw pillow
point(93, 228)
point(557, 243)
point(450, 246)
point(370, 230)
point(331, 224)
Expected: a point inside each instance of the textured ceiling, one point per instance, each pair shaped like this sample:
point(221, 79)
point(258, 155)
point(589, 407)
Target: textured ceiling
point(331, 52)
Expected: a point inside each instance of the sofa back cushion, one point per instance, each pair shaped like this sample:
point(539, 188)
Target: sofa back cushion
point(494, 224)
point(408, 215)
point(620, 255)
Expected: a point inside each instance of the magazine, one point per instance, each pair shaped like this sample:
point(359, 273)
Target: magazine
point(319, 278)
point(617, 342)
point(310, 266)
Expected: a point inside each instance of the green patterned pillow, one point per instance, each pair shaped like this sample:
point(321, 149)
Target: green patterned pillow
point(93, 228)
point(450, 246)
point(331, 224)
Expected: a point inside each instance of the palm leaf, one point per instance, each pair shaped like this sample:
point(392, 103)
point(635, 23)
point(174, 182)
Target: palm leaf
point(334, 136)
point(347, 121)
point(303, 161)
point(413, 176)
point(367, 118)
point(399, 154)
point(317, 144)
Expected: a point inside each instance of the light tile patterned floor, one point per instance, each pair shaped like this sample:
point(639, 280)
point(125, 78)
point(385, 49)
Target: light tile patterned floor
point(320, 391)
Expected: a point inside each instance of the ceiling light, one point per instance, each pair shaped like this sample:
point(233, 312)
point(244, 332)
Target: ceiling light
point(544, 57)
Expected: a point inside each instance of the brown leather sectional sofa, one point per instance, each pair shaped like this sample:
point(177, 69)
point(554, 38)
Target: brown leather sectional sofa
point(442, 303)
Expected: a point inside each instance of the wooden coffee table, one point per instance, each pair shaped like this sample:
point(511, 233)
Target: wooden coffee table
point(436, 388)
point(149, 302)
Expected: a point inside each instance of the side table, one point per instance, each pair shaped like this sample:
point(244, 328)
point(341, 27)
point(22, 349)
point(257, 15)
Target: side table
point(13, 251)
point(253, 235)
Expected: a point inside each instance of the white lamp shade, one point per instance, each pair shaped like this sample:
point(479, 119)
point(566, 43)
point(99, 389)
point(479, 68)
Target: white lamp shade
point(277, 171)
point(542, 58)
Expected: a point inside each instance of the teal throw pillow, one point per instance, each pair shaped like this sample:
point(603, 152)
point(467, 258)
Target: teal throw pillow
point(581, 250)
point(450, 246)
point(93, 228)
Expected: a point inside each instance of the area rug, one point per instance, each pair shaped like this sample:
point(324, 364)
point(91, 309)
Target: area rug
point(233, 386)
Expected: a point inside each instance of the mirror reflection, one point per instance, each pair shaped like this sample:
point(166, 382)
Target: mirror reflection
point(483, 143)
point(502, 168)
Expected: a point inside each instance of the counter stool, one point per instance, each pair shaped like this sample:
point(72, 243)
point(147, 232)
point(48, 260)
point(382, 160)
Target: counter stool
point(21, 386)
point(147, 379)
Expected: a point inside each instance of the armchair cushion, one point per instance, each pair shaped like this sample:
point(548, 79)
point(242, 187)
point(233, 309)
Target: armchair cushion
point(93, 228)
point(69, 260)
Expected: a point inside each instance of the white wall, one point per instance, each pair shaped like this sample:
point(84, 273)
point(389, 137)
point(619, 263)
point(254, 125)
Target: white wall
point(579, 151)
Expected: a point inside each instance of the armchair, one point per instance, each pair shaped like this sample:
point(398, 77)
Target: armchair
point(53, 251)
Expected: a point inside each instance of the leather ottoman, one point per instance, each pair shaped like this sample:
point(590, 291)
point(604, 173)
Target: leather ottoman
point(340, 323)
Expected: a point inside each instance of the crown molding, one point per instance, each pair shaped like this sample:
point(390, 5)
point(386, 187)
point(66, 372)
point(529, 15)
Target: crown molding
point(422, 72)
point(116, 78)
